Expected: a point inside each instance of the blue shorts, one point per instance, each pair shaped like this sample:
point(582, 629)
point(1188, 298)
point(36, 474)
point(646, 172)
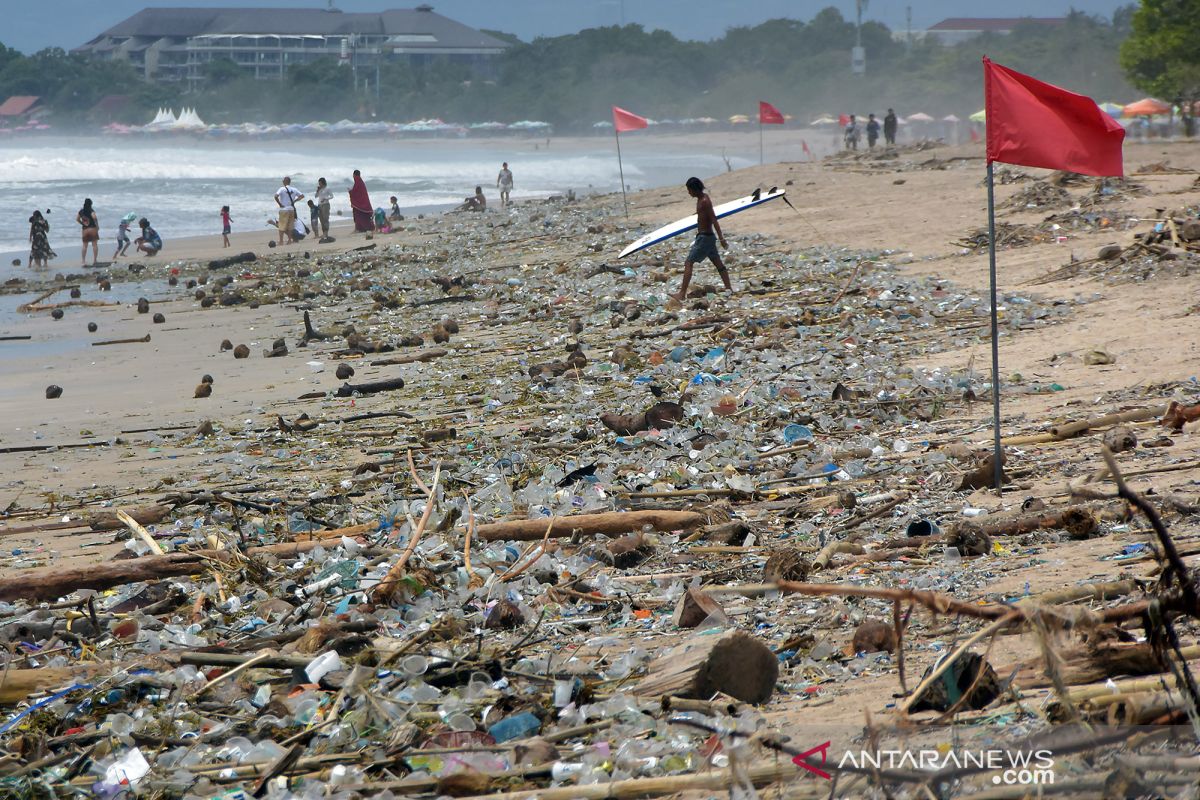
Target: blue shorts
point(704, 247)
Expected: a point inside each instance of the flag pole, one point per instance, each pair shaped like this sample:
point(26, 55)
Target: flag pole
point(997, 452)
point(760, 146)
point(621, 167)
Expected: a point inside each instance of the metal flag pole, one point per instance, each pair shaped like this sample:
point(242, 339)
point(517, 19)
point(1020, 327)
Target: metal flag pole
point(621, 168)
point(760, 146)
point(998, 469)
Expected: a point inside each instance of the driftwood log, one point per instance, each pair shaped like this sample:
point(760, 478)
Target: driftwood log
point(614, 523)
point(145, 515)
point(736, 664)
point(424, 355)
point(374, 387)
point(54, 582)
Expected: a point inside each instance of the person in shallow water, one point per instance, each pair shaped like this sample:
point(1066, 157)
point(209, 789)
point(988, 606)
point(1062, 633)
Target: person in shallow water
point(90, 223)
point(360, 204)
point(708, 231)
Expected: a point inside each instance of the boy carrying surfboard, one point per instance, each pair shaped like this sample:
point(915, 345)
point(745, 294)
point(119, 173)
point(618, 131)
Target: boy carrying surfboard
point(708, 232)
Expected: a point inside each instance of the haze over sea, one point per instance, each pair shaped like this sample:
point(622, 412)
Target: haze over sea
point(181, 184)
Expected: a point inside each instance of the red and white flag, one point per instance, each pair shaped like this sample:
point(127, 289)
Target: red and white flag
point(769, 114)
point(1037, 124)
point(627, 121)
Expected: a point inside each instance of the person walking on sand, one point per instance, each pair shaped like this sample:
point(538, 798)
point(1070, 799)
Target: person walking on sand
point(504, 181)
point(324, 195)
point(226, 225)
point(889, 128)
point(123, 234)
point(90, 223)
point(286, 198)
point(708, 232)
point(872, 131)
point(360, 205)
point(39, 241)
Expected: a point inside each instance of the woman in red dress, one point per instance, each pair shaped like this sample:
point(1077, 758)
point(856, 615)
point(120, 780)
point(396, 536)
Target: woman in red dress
point(360, 203)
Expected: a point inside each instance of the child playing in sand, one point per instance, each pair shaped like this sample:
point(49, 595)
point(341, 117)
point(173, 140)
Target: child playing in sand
point(314, 216)
point(708, 231)
point(226, 225)
point(123, 235)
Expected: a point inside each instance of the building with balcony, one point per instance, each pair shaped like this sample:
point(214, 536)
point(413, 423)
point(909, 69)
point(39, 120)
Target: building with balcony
point(176, 44)
point(956, 30)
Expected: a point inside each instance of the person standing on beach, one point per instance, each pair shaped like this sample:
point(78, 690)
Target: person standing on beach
point(708, 232)
point(889, 128)
point(39, 241)
point(505, 182)
point(851, 135)
point(226, 225)
point(872, 131)
point(360, 205)
point(286, 198)
point(90, 223)
point(324, 195)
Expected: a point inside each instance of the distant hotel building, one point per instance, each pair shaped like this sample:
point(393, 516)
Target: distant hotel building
point(173, 45)
point(956, 30)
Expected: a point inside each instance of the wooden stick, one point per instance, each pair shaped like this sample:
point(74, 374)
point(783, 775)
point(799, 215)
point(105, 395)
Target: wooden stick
point(1067, 430)
point(142, 533)
point(424, 355)
point(254, 661)
point(760, 774)
point(611, 523)
point(145, 338)
point(386, 588)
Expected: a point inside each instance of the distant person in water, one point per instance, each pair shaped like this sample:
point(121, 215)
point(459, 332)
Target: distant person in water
point(149, 242)
point(39, 241)
point(504, 181)
point(708, 232)
point(226, 225)
point(90, 223)
point(476, 202)
point(360, 204)
point(123, 241)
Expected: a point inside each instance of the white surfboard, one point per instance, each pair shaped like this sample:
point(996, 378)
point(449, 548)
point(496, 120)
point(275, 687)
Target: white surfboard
point(689, 223)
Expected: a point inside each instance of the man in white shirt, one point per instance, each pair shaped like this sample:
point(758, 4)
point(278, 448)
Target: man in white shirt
point(324, 195)
point(505, 181)
point(286, 199)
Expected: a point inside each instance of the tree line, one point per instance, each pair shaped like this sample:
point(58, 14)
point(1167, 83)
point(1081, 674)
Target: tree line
point(570, 81)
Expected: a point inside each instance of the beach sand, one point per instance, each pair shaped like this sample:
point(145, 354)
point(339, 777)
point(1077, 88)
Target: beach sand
point(910, 206)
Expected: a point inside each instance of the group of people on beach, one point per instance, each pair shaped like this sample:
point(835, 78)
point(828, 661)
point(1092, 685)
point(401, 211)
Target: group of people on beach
point(292, 229)
point(852, 133)
point(40, 252)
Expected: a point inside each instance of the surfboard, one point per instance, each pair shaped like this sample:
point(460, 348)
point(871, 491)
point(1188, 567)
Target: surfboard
point(689, 223)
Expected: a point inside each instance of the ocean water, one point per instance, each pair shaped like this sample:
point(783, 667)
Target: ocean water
point(181, 185)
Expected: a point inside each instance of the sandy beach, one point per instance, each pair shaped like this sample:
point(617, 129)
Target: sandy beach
point(866, 283)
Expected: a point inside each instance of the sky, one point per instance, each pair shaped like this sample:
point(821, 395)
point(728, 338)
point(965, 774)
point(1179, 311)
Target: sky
point(70, 23)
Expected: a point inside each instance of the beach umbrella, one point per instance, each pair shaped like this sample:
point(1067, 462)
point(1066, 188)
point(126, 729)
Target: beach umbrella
point(950, 118)
point(739, 119)
point(920, 116)
point(1112, 109)
point(1146, 107)
point(979, 116)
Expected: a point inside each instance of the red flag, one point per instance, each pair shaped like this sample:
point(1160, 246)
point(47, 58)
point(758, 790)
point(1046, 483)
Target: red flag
point(1037, 124)
point(769, 114)
point(974, 136)
point(807, 152)
point(626, 121)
